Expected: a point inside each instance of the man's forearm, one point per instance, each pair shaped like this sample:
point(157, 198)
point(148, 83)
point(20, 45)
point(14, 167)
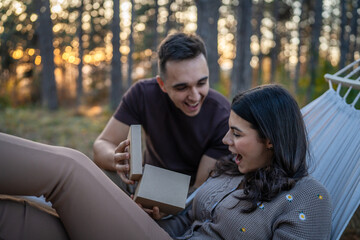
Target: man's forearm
point(205, 166)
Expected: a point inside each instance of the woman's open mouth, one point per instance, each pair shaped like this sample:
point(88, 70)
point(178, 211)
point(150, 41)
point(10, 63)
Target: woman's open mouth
point(238, 159)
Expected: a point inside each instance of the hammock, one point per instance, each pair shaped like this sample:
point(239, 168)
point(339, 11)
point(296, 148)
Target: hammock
point(333, 124)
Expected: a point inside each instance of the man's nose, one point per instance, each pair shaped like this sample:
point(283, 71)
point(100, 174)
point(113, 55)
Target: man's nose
point(194, 94)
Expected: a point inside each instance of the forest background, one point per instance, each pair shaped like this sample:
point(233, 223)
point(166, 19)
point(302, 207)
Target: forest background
point(65, 64)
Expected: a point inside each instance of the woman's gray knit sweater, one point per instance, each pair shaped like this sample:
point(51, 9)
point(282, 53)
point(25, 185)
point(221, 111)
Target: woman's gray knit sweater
point(304, 212)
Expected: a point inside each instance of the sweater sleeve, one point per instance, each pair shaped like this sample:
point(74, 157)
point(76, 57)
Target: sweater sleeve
point(309, 217)
point(177, 225)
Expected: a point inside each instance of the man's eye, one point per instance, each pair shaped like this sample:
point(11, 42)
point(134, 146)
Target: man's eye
point(201, 83)
point(180, 88)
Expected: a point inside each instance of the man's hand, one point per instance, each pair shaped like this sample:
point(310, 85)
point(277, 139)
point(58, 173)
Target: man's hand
point(121, 161)
point(106, 143)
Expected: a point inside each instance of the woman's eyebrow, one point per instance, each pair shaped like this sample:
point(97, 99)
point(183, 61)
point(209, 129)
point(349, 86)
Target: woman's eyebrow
point(235, 128)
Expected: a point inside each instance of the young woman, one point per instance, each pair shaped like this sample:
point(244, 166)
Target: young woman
point(262, 192)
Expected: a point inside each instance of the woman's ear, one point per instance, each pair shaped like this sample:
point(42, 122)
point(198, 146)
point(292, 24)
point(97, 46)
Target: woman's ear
point(161, 83)
point(269, 145)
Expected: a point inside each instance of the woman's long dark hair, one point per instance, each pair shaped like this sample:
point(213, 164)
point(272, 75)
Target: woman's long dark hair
point(275, 115)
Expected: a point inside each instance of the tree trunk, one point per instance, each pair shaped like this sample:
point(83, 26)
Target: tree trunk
point(79, 86)
point(314, 49)
point(259, 17)
point(275, 49)
point(344, 43)
point(354, 26)
point(116, 79)
point(300, 35)
point(131, 45)
point(208, 16)
point(48, 83)
point(241, 73)
point(155, 40)
point(169, 20)
point(357, 42)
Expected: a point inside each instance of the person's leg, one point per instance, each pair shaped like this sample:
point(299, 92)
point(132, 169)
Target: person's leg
point(128, 189)
point(21, 221)
point(88, 203)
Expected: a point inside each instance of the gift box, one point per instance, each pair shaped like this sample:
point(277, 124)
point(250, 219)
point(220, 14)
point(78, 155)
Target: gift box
point(157, 186)
point(136, 159)
point(163, 188)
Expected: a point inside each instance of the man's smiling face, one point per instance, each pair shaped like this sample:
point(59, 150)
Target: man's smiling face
point(187, 83)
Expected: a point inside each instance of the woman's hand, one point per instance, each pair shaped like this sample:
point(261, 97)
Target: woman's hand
point(154, 213)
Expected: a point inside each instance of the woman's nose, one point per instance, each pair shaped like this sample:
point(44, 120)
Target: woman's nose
point(227, 140)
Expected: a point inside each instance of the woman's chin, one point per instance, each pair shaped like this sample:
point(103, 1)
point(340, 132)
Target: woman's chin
point(241, 170)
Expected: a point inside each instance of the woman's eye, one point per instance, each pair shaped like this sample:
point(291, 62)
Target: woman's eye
point(236, 134)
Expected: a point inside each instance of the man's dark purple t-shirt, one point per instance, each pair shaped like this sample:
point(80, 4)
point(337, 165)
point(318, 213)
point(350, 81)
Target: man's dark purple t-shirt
point(174, 140)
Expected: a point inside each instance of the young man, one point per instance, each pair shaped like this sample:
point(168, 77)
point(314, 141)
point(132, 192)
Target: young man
point(183, 119)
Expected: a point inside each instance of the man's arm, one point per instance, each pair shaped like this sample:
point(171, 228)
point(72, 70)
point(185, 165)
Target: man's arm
point(106, 143)
point(205, 166)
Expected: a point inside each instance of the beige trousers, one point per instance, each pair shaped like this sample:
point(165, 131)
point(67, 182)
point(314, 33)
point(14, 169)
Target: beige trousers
point(89, 204)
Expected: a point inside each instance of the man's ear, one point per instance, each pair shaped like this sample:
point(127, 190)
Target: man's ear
point(161, 83)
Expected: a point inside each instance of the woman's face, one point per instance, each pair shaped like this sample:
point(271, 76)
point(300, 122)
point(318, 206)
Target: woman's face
point(251, 152)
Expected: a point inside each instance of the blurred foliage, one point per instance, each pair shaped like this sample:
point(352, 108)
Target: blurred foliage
point(21, 65)
point(76, 129)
